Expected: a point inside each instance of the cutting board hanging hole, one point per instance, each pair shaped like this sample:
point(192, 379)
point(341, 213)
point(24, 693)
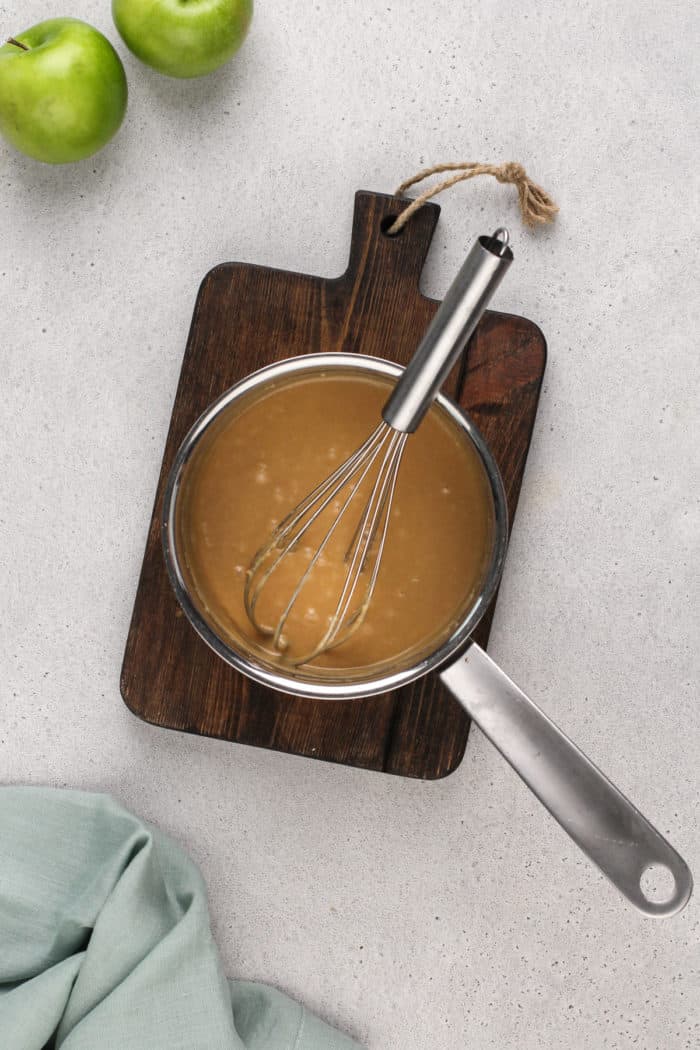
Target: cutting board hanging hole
point(386, 226)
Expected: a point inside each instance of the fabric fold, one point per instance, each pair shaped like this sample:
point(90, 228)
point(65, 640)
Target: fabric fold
point(105, 940)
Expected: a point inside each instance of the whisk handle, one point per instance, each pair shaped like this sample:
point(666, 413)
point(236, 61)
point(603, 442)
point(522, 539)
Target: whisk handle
point(458, 315)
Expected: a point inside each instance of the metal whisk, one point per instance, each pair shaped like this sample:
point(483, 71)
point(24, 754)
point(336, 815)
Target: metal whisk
point(445, 339)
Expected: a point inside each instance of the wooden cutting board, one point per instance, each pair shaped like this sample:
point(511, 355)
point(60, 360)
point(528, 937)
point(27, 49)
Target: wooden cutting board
point(245, 317)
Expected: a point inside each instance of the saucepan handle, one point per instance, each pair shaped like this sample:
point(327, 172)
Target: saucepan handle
point(601, 821)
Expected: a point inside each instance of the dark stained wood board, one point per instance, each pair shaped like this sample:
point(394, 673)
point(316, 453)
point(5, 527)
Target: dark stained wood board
point(245, 317)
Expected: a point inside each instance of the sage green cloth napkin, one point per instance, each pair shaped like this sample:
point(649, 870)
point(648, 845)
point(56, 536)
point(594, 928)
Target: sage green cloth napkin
point(105, 941)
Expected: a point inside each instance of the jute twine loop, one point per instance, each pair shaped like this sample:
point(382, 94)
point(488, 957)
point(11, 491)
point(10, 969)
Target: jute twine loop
point(536, 206)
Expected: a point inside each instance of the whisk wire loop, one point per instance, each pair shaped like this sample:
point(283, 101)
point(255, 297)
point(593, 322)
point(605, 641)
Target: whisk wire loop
point(291, 530)
point(325, 492)
point(363, 465)
point(374, 522)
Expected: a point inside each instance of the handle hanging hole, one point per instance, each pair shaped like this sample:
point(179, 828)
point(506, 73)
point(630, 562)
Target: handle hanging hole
point(657, 883)
point(386, 224)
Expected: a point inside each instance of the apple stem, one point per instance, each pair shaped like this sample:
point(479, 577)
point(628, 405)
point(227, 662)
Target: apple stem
point(17, 43)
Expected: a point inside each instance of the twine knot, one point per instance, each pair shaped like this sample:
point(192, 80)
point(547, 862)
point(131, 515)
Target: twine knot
point(511, 171)
point(536, 206)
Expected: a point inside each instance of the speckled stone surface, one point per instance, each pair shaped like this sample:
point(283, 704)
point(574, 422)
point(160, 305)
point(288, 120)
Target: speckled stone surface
point(449, 914)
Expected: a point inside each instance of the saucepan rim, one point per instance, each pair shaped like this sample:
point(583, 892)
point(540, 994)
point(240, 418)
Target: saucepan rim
point(294, 682)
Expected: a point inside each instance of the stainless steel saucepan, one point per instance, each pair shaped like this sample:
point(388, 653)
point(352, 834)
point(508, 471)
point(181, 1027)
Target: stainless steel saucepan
point(597, 816)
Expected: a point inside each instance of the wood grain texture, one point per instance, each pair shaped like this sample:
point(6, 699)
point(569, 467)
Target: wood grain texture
point(245, 317)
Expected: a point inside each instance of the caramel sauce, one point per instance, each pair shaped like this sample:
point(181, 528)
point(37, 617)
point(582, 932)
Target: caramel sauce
point(265, 453)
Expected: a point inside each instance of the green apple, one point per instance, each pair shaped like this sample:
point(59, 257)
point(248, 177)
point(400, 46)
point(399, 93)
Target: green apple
point(183, 38)
point(62, 91)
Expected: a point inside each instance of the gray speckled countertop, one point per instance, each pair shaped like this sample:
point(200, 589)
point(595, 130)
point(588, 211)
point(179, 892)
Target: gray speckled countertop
point(414, 915)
